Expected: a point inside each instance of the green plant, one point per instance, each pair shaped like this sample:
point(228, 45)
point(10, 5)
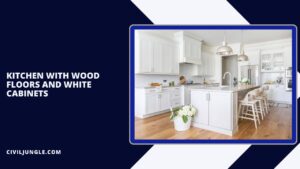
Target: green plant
point(184, 112)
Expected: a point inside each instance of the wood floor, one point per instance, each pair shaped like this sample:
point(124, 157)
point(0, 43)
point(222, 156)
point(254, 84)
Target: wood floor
point(276, 125)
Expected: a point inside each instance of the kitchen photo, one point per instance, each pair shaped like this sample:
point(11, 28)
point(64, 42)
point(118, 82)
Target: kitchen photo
point(213, 83)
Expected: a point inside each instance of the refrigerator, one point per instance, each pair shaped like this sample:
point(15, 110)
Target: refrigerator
point(252, 73)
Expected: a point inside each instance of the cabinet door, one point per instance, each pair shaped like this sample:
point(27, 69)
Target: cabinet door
point(220, 107)
point(199, 99)
point(152, 103)
point(164, 101)
point(158, 57)
point(288, 56)
point(174, 59)
point(167, 59)
point(146, 55)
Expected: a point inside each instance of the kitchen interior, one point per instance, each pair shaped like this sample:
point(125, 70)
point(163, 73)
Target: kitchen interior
point(216, 71)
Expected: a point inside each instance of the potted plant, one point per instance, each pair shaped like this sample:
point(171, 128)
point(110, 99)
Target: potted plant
point(182, 117)
point(245, 81)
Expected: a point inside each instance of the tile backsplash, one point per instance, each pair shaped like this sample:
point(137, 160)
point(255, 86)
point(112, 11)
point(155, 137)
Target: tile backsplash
point(145, 80)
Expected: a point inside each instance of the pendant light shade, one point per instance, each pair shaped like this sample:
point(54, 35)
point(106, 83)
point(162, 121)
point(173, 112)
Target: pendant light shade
point(224, 49)
point(242, 56)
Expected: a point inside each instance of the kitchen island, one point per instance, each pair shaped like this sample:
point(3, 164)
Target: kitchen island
point(217, 107)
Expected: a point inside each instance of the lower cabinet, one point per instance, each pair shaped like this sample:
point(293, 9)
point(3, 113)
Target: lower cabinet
point(220, 110)
point(200, 101)
point(152, 105)
point(215, 110)
point(278, 94)
point(164, 101)
point(149, 102)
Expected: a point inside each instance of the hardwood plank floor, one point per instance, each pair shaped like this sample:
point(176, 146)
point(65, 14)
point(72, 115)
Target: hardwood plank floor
point(276, 125)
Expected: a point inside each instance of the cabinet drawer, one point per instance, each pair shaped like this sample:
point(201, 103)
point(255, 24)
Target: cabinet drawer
point(176, 102)
point(175, 95)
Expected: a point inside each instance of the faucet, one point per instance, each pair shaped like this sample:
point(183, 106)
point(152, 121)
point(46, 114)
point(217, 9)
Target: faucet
point(230, 76)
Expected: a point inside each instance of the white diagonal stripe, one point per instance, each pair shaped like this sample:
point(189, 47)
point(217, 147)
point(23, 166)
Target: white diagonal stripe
point(291, 161)
point(191, 156)
point(190, 11)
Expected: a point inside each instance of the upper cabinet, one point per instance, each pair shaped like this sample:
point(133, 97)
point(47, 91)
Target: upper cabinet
point(207, 68)
point(288, 56)
point(155, 55)
point(189, 48)
point(272, 60)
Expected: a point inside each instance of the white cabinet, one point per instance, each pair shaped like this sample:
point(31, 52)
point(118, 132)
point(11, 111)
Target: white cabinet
point(176, 96)
point(215, 110)
point(272, 60)
point(155, 55)
point(288, 56)
point(220, 110)
point(164, 101)
point(278, 94)
point(145, 55)
point(200, 100)
point(153, 101)
point(189, 48)
point(207, 68)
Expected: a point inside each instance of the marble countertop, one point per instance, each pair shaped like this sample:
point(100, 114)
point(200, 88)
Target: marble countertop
point(153, 87)
point(194, 85)
point(227, 88)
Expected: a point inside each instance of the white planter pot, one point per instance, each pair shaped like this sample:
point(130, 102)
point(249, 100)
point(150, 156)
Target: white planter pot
point(180, 125)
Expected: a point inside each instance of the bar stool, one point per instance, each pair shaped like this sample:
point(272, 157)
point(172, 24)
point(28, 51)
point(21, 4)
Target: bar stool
point(261, 108)
point(262, 95)
point(250, 104)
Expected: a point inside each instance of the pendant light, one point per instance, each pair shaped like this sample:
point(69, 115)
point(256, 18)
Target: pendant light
point(224, 49)
point(242, 56)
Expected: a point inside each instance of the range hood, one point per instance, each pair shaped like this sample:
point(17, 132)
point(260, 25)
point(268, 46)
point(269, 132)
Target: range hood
point(189, 48)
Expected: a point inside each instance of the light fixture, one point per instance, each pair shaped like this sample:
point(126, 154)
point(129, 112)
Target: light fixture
point(242, 56)
point(224, 49)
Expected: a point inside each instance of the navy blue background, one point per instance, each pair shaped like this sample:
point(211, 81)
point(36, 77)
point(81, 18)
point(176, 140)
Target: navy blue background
point(90, 126)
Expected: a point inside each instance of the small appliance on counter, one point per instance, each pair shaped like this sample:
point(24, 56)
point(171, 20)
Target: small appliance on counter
point(165, 83)
point(288, 79)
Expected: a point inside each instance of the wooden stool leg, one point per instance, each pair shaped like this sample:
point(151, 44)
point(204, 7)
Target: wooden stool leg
point(240, 108)
point(254, 116)
point(267, 105)
point(261, 110)
point(254, 107)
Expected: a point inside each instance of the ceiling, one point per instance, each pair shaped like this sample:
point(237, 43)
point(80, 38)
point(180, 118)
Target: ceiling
point(215, 37)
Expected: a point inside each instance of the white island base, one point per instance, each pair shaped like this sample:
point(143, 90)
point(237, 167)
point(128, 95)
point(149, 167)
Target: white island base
point(217, 108)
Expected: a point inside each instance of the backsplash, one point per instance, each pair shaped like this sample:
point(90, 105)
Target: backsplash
point(145, 80)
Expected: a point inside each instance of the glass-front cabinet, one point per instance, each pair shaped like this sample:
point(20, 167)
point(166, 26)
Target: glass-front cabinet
point(272, 61)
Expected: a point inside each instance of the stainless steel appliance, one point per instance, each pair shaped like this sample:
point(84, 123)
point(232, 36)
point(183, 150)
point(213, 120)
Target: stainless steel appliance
point(251, 72)
point(288, 72)
point(288, 79)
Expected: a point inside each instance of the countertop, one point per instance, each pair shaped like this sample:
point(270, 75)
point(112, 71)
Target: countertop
point(227, 89)
point(153, 87)
point(193, 84)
